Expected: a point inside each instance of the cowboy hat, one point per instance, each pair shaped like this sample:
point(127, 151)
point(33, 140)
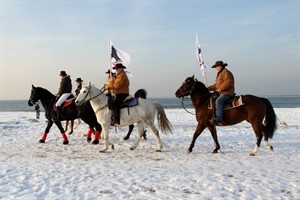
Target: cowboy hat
point(119, 65)
point(79, 80)
point(219, 63)
point(63, 73)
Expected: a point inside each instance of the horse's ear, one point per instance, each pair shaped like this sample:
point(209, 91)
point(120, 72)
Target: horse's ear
point(33, 86)
point(193, 76)
point(89, 84)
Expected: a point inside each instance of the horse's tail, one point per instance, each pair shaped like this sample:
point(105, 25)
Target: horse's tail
point(270, 119)
point(163, 122)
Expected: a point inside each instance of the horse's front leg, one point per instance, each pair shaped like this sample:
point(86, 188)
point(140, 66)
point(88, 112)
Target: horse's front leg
point(129, 132)
point(198, 131)
point(105, 138)
point(140, 134)
point(62, 131)
point(214, 135)
point(49, 125)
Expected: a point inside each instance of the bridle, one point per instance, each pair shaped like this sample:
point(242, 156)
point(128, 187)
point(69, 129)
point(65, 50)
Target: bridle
point(101, 92)
point(188, 93)
point(89, 89)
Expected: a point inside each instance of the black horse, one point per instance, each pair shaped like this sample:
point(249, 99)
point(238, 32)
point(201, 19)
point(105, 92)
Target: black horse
point(70, 112)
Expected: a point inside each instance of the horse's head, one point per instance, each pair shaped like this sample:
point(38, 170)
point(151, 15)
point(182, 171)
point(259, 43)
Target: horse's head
point(83, 94)
point(34, 96)
point(186, 88)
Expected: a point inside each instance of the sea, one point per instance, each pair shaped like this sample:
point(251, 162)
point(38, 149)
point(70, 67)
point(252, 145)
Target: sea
point(168, 103)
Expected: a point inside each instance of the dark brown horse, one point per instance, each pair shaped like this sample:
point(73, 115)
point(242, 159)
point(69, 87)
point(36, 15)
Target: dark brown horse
point(254, 111)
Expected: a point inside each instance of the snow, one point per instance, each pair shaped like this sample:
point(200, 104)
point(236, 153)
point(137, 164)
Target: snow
point(30, 170)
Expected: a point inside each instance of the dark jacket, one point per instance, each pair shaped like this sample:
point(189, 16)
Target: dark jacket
point(77, 91)
point(65, 85)
point(224, 83)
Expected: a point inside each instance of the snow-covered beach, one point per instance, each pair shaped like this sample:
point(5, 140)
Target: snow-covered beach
point(30, 170)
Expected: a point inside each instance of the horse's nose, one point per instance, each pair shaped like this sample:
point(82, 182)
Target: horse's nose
point(76, 102)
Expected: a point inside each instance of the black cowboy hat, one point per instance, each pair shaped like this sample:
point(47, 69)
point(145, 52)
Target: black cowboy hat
point(219, 63)
point(63, 73)
point(79, 80)
point(119, 65)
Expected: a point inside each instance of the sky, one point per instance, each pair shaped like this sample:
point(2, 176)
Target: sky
point(259, 40)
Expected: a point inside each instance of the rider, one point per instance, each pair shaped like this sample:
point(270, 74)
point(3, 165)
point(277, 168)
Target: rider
point(120, 86)
point(79, 86)
point(224, 85)
point(65, 90)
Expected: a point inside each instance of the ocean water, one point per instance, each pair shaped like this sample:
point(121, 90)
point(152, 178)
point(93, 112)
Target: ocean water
point(167, 103)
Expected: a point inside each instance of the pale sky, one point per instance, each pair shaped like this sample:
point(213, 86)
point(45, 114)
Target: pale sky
point(259, 39)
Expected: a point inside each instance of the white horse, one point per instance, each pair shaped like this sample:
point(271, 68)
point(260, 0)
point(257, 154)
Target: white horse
point(143, 114)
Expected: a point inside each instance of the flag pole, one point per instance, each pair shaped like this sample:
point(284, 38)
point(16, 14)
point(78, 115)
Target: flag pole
point(204, 75)
point(109, 57)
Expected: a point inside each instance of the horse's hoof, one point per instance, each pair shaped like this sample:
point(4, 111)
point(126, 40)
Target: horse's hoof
point(189, 151)
point(70, 133)
point(42, 141)
point(252, 154)
point(89, 140)
point(103, 151)
point(66, 142)
point(215, 151)
point(271, 148)
point(95, 142)
point(125, 138)
point(158, 150)
point(112, 147)
point(131, 148)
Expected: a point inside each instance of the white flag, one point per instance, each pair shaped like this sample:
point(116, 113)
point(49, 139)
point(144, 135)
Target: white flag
point(118, 55)
point(199, 57)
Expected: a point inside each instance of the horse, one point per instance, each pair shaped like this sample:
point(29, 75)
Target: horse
point(143, 114)
point(70, 123)
point(141, 93)
point(71, 112)
point(254, 110)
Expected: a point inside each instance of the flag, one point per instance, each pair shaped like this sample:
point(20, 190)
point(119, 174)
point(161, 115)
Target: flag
point(118, 55)
point(199, 57)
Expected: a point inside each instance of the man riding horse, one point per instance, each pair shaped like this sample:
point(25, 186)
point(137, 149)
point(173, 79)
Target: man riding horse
point(224, 85)
point(65, 90)
point(120, 86)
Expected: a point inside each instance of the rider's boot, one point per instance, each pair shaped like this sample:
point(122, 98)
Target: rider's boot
point(58, 111)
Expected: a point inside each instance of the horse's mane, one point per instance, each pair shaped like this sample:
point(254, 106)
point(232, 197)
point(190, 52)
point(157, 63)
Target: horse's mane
point(201, 88)
point(44, 93)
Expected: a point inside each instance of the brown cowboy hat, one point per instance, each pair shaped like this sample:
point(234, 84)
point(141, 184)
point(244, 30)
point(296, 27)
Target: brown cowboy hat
point(219, 63)
point(119, 65)
point(63, 73)
point(79, 80)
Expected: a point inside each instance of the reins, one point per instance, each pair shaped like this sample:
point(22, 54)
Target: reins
point(189, 93)
point(185, 108)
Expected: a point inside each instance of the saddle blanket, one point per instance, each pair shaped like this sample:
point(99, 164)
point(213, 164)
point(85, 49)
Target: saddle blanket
point(230, 104)
point(129, 102)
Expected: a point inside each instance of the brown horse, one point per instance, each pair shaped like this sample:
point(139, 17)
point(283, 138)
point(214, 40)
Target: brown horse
point(254, 111)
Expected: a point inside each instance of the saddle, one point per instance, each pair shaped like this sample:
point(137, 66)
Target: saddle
point(234, 102)
point(66, 103)
point(129, 102)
